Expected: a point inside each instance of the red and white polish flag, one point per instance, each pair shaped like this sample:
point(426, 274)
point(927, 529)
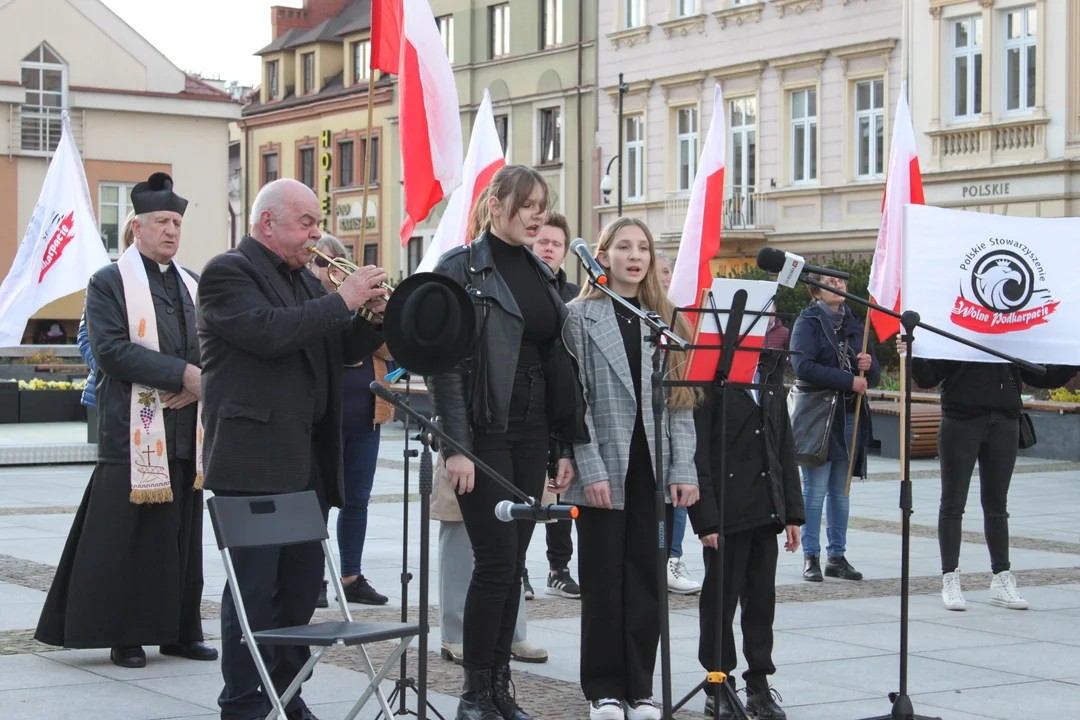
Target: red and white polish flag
point(484, 158)
point(430, 120)
point(701, 239)
point(61, 249)
point(903, 186)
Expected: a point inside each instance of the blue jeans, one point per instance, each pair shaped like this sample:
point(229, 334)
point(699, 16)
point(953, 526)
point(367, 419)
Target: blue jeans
point(678, 529)
point(360, 448)
point(820, 483)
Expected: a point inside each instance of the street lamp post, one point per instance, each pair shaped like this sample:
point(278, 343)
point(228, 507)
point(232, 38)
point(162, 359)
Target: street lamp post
point(623, 87)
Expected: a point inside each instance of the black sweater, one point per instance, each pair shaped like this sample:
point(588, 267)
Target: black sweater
point(532, 298)
point(970, 389)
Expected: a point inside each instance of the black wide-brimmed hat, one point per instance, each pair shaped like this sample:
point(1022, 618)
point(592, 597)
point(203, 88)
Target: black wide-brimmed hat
point(155, 195)
point(429, 324)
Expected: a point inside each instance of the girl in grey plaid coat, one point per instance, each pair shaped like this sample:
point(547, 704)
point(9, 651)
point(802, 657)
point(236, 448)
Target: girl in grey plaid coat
point(614, 484)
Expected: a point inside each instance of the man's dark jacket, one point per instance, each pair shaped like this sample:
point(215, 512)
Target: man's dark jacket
point(476, 394)
point(259, 378)
point(567, 290)
point(121, 362)
point(762, 486)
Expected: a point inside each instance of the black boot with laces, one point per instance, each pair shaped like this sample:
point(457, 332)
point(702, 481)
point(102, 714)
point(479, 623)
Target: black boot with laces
point(812, 569)
point(503, 696)
point(763, 706)
point(477, 702)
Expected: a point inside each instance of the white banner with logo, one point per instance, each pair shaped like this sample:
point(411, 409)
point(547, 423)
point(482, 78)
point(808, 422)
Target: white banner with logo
point(1005, 282)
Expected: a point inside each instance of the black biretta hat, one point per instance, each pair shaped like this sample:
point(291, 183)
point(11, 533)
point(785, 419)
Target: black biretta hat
point(155, 195)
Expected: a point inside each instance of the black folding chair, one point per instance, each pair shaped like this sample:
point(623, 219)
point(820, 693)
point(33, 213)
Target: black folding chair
point(291, 519)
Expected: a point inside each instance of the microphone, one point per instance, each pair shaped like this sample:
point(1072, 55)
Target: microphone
point(592, 268)
point(385, 393)
point(789, 267)
point(508, 510)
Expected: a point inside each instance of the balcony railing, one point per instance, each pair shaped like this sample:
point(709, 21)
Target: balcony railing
point(744, 208)
point(987, 144)
point(36, 131)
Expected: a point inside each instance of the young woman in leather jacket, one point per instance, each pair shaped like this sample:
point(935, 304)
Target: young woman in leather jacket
point(517, 391)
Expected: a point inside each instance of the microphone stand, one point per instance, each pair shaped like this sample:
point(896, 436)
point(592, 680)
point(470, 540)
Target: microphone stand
point(430, 432)
point(902, 709)
point(660, 333)
point(404, 682)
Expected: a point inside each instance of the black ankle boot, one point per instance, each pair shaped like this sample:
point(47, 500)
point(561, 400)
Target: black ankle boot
point(812, 569)
point(504, 698)
point(476, 701)
point(839, 567)
point(763, 705)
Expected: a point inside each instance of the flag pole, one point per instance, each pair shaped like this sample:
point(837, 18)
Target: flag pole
point(367, 163)
point(858, 408)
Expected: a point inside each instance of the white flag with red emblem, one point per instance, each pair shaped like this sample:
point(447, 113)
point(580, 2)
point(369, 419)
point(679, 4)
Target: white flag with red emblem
point(903, 186)
point(484, 158)
point(430, 120)
point(701, 239)
point(62, 246)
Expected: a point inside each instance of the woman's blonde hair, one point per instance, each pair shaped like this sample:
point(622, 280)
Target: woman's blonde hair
point(127, 233)
point(652, 297)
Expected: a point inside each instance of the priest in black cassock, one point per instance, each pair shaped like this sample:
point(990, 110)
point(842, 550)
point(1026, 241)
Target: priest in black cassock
point(131, 572)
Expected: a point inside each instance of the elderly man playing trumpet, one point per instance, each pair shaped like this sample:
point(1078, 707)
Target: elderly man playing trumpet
point(274, 343)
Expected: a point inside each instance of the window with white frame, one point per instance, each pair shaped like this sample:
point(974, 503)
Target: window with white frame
point(634, 147)
point(446, 31)
point(361, 55)
point(804, 135)
point(1020, 67)
point(743, 145)
point(114, 204)
point(551, 22)
point(550, 135)
point(633, 13)
point(685, 8)
point(308, 60)
point(686, 145)
point(44, 77)
point(499, 20)
point(272, 79)
point(967, 67)
point(869, 128)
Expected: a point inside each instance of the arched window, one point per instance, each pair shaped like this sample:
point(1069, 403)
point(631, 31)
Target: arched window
point(44, 76)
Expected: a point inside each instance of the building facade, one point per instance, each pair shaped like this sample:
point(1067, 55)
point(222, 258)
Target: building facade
point(996, 104)
point(538, 60)
point(809, 88)
point(309, 118)
point(132, 112)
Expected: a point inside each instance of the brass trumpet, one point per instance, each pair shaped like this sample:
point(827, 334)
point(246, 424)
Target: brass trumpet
point(346, 268)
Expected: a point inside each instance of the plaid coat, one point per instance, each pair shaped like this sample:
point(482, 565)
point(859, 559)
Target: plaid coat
point(592, 335)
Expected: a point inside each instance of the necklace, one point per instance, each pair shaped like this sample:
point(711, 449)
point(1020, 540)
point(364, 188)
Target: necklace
point(620, 313)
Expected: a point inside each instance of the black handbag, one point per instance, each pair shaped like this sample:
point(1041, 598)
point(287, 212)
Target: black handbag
point(1027, 427)
point(812, 412)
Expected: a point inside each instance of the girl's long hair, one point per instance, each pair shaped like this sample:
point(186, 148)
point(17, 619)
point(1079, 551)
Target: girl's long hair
point(479, 218)
point(651, 297)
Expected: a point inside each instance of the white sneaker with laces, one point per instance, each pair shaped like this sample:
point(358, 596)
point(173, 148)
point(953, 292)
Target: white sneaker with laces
point(1003, 592)
point(642, 709)
point(951, 595)
point(606, 709)
point(679, 580)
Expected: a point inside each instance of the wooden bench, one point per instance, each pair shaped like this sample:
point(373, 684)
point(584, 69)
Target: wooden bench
point(925, 419)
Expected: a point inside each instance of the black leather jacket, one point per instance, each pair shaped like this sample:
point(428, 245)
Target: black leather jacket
point(476, 394)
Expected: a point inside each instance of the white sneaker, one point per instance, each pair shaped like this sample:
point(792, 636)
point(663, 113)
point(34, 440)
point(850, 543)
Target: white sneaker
point(1003, 592)
point(950, 592)
point(679, 580)
point(606, 709)
point(643, 709)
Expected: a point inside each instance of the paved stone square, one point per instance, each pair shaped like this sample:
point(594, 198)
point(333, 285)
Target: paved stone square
point(836, 645)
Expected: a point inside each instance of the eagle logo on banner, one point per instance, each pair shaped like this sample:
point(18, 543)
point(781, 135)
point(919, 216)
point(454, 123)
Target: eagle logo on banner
point(1002, 289)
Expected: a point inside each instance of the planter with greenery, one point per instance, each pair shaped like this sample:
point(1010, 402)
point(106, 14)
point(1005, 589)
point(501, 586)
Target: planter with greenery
point(50, 401)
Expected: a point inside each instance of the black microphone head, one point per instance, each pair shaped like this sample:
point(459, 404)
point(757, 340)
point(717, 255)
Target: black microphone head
point(771, 259)
point(384, 392)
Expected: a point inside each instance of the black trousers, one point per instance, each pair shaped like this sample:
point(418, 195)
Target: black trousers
point(520, 455)
point(280, 587)
point(560, 546)
point(992, 439)
point(749, 581)
point(620, 600)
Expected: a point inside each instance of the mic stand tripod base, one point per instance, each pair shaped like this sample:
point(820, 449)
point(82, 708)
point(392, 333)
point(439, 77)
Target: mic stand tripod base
point(902, 709)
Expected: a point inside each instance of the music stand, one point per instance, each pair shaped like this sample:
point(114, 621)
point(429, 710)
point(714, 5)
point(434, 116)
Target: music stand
point(732, 342)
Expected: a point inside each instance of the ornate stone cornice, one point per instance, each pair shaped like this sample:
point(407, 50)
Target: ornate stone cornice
point(681, 27)
point(739, 15)
point(783, 7)
point(630, 36)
